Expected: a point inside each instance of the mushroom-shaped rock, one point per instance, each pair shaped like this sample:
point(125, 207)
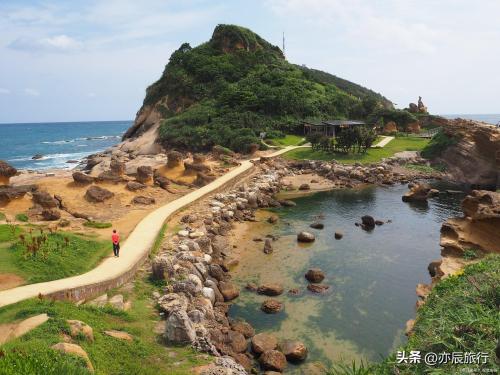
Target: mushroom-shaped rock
point(134, 186)
point(262, 342)
point(294, 351)
point(144, 174)
point(271, 306)
point(273, 360)
point(203, 179)
point(117, 167)
point(174, 159)
point(305, 237)
point(228, 290)
point(6, 172)
point(97, 194)
point(82, 178)
point(140, 199)
point(315, 275)
point(74, 349)
point(77, 328)
point(268, 246)
point(44, 199)
point(271, 289)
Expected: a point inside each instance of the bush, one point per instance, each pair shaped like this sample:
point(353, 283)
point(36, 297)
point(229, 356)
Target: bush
point(438, 144)
point(2, 216)
point(97, 224)
point(22, 217)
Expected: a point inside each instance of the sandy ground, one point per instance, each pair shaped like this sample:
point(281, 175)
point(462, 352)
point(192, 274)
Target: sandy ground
point(9, 280)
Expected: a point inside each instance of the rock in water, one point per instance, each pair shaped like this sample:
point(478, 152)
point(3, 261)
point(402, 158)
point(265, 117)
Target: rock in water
point(338, 235)
point(273, 360)
point(315, 275)
point(243, 327)
point(368, 222)
point(317, 288)
point(305, 237)
point(418, 193)
point(317, 225)
point(262, 342)
point(97, 194)
point(294, 351)
point(228, 290)
point(271, 306)
point(271, 289)
point(179, 329)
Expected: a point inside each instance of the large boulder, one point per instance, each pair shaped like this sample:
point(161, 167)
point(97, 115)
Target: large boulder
point(6, 172)
point(82, 178)
point(117, 167)
point(134, 186)
point(9, 193)
point(305, 237)
point(144, 174)
point(315, 275)
point(179, 329)
point(367, 222)
point(294, 351)
point(390, 127)
point(417, 193)
point(78, 328)
point(273, 360)
point(203, 179)
point(97, 194)
point(270, 289)
point(243, 327)
point(262, 342)
point(51, 214)
point(172, 301)
point(74, 349)
point(162, 267)
point(140, 199)
point(44, 199)
point(229, 290)
point(271, 306)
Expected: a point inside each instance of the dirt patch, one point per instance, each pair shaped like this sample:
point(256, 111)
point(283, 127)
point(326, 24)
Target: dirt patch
point(10, 280)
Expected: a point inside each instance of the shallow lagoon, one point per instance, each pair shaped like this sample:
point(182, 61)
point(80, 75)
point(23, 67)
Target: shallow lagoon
point(372, 275)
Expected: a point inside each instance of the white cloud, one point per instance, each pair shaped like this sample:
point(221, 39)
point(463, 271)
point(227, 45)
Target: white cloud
point(4, 91)
point(31, 92)
point(58, 43)
point(91, 95)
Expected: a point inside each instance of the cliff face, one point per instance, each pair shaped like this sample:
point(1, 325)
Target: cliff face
point(229, 89)
point(475, 157)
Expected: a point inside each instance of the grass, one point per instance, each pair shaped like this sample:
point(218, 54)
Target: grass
point(22, 217)
point(462, 314)
point(158, 241)
point(145, 355)
point(373, 155)
point(97, 225)
point(426, 168)
point(288, 140)
point(62, 255)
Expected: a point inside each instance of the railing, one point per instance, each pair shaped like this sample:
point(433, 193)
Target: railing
point(429, 133)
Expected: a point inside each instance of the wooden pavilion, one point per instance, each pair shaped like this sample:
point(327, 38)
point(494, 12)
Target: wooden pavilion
point(329, 128)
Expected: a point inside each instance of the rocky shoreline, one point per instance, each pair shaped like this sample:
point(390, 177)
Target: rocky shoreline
point(197, 259)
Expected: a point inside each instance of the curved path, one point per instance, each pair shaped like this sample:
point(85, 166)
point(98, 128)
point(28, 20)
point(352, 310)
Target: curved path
point(114, 272)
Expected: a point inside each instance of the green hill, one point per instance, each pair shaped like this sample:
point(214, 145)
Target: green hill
point(229, 89)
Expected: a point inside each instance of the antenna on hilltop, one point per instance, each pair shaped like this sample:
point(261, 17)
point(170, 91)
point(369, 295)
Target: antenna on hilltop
point(283, 49)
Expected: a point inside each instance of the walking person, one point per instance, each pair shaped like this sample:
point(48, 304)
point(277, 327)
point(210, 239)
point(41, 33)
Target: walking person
point(115, 237)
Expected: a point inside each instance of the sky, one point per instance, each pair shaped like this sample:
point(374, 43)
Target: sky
point(88, 60)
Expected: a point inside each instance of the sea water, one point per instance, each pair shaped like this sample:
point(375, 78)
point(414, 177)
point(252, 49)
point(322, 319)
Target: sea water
point(57, 142)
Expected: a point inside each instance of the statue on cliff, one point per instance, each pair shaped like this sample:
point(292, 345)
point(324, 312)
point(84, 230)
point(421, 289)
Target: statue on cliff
point(417, 108)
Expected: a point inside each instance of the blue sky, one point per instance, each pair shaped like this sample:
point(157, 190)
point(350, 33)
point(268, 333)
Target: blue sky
point(92, 60)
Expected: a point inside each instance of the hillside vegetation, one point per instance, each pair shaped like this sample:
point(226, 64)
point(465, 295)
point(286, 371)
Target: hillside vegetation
point(229, 89)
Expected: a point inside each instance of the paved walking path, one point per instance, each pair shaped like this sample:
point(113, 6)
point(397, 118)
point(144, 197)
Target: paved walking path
point(383, 142)
point(135, 248)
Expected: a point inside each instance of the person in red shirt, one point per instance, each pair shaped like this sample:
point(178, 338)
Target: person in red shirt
point(115, 237)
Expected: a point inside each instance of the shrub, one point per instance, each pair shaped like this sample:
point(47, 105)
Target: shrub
point(22, 217)
point(438, 144)
point(2, 216)
point(97, 224)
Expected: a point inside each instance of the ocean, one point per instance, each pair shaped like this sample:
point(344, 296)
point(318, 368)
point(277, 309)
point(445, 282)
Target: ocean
point(490, 119)
point(57, 142)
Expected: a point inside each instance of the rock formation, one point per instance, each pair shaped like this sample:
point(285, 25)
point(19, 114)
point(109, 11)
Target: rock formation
point(6, 172)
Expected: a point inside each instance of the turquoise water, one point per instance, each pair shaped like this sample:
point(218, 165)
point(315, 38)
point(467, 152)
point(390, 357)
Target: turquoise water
point(58, 142)
point(372, 275)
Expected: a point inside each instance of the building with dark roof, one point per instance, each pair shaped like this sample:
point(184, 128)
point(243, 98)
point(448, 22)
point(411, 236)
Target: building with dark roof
point(330, 128)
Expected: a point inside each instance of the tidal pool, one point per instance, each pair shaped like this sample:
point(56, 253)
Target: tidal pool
point(372, 275)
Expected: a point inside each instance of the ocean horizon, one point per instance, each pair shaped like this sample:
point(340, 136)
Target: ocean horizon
point(60, 142)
